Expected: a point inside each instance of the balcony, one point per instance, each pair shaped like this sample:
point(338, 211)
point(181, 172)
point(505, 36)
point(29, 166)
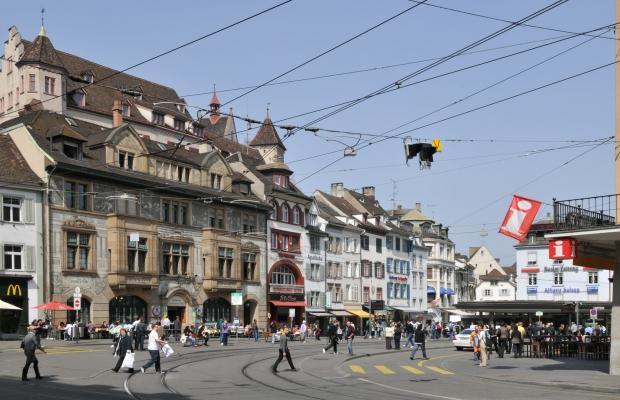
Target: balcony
point(586, 213)
point(286, 289)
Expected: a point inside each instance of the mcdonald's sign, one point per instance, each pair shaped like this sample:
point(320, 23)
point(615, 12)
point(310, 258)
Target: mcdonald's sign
point(14, 290)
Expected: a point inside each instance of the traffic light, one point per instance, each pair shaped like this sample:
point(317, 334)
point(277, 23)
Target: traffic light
point(424, 151)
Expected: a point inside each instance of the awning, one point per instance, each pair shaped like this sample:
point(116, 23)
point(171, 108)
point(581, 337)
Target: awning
point(359, 313)
point(340, 313)
point(430, 290)
point(288, 303)
point(443, 291)
point(320, 314)
point(459, 312)
point(406, 309)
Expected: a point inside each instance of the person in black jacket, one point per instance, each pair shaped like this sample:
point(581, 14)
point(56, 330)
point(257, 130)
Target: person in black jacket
point(124, 345)
point(332, 334)
point(419, 338)
point(282, 351)
point(409, 330)
point(139, 334)
point(398, 331)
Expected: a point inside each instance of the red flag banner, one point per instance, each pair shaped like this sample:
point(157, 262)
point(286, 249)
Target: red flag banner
point(519, 217)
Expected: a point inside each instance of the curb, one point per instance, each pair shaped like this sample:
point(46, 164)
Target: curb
point(569, 386)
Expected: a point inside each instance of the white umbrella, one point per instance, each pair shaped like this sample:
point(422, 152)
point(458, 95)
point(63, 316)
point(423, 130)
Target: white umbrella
point(7, 306)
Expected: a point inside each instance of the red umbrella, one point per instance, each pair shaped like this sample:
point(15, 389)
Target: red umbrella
point(54, 306)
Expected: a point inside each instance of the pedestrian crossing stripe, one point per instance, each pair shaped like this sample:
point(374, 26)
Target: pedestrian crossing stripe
point(439, 370)
point(357, 369)
point(384, 370)
point(412, 369)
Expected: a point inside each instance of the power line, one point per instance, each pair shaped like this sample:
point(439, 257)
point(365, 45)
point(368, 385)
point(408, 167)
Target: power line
point(115, 73)
point(328, 51)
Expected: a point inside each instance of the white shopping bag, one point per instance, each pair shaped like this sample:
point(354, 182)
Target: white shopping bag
point(128, 360)
point(183, 339)
point(167, 350)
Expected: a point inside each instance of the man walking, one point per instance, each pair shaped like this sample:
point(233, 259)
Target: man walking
point(303, 331)
point(153, 348)
point(283, 350)
point(30, 344)
point(124, 345)
point(409, 330)
point(139, 331)
point(350, 334)
point(176, 326)
point(419, 338)
point(332, 334)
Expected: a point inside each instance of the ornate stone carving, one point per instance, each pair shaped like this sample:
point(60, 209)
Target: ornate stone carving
point(77, 223)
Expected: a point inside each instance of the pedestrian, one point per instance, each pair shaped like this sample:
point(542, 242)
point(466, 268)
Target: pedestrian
point(303, 331)
point(282, 351)
point(317, 331)
point(517, 340)
point(255, 331)
point(332, 335)
point(225, 328)
point(474, 341)
point(153, 347)
point(350, 335)
point(419, 340)
point(124, 345)
point(274, 330)
point(139, 334)
point(176, 327)
point(166, 325)
point(30, 344)
point(389, 335)
point(398, 332)
point(484, 342)
point(409, 331)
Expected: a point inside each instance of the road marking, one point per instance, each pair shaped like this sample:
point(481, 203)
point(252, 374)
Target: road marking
point(412, 369)
point(439, 370)
point(357, 369)
point(384, 370)
point(409, 391)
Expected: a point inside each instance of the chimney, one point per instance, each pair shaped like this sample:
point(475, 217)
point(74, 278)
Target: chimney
point(117, 114)
point(369, 191)
point(418, 206)
point(337, 189)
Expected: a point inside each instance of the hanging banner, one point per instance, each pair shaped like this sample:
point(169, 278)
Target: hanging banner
point(519, 217)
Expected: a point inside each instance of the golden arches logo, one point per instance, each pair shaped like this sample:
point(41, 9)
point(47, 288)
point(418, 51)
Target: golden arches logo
point(13, 290)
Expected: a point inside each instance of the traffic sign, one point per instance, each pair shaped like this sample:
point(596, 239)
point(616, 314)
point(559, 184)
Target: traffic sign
point(291, 313)
point(77, 303)
point(593, 313)
point(539, 313)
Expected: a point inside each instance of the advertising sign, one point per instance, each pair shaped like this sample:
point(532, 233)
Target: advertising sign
point(563, 249)
point(519, 217)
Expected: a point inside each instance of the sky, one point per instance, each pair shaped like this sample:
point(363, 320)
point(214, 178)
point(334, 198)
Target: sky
point(469, 185)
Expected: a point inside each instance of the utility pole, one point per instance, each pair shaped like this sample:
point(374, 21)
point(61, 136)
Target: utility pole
point(614, 353)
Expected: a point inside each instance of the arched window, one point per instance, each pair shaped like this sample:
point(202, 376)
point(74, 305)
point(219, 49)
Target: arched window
point(283, 275)
point(274, 210)
point(296, 216)
point(127, 309)
point(285, 211)
point(216, 309)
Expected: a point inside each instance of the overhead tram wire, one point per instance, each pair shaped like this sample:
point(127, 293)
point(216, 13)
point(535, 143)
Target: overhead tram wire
point(183, 45)
point(372, 28)
point(499, 101)
point(470, 46)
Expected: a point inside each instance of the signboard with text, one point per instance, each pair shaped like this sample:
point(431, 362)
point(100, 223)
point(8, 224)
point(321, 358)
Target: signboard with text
point(563, 249)
point(236, 298)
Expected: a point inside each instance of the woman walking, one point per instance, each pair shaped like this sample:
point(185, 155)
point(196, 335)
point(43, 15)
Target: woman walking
point(124, 345)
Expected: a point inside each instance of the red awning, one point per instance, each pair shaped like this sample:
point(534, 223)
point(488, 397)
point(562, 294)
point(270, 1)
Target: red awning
point(288, 303)
point(530, 269)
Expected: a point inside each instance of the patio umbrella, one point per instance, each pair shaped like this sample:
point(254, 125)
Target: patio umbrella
point(7, 306)
point(54, 306)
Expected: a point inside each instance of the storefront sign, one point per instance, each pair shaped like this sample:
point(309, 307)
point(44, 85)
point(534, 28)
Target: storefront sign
point(561, 269)
point(592, 289)
point(315, 257)
point(398, 277)
point(14, 290)
point(532, 290)
point(564, 249)
point(561, 290)
point(286, 297)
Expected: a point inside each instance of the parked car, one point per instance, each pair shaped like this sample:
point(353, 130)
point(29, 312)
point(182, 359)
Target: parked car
point(461, 341)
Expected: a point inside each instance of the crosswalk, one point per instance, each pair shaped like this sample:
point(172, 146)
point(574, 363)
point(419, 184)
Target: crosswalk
point(391, 370)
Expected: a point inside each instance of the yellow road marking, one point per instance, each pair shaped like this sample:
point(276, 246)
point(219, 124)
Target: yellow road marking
point(357, 369)
point(421, 363)
point(439, 370)
point(412, 369)
point(384, 370)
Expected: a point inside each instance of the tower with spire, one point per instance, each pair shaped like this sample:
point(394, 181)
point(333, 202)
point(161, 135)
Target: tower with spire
point(268, 143)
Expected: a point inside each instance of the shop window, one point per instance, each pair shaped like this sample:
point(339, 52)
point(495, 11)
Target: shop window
point(216, 310)
point(126, 309)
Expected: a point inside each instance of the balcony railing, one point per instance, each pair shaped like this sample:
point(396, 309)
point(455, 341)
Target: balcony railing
point(287, 289)
point(586, 213)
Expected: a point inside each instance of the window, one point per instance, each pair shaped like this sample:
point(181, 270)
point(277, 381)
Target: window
point(157, 118)
point(366, 269)
point(315, 244)
point(225, 260)
point(249, 266)
point(199, 130)
point(50, 85)
point(503, 292)
point(389, 263)
point(281, 181)
point(88, 77)
point(71, 150)
point(397, 244)
point(78, 250)
point(76, 195)
point(216, 181)
point(531, 258)
point(429, 273)
point(366, 295)
point(244, 188)
point(23, 84)
point(296, 216)
point(175, 258)
point(379, 245)
point(487, 292)
point(136, 255)
point(365, 242)
point(1, 105)
point(314, 272)
point(249, 223)
point(379, 270)
point(558, 278)
point(274, 240)
point(274, 211)
point(125, 160)
point(174, 212)
point(389, 242)
point(179, 125)
point(494, 283)
point(11, 209)
point(32, 83)
point(314, 299)
point(592, 278)
point(284, 213)
point(183, 174)
point(283, 275)
point(532, 279)
point(126, 110)
point(379, 293)
point(12, 256)
point(79, 98)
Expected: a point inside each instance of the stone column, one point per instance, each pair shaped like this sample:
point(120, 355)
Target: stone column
point(614, 329)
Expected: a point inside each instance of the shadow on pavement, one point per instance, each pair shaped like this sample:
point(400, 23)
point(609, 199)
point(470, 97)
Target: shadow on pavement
point(503, 367)
point(600, 366)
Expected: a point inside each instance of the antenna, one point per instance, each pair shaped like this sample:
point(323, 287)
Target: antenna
point(43, 17)
point(394, 193)
point(483, 233)
point(268, 104)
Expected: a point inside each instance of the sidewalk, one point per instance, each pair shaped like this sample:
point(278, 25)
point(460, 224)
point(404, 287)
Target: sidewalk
point(566, 373)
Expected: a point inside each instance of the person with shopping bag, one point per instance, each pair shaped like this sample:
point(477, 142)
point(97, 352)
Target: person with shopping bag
point(153, 347)
point(125, 352)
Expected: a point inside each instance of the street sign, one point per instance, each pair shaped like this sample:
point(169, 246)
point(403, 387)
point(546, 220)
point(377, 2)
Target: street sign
point(236, 298)
point(77, 303)
point(236, 321)
point(539, 313)
point(291, 313)
point(593, 313)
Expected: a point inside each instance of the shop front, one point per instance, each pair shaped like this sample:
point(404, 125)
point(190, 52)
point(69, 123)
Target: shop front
point(286, 294)
point(14, 290)
point(126, 309)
